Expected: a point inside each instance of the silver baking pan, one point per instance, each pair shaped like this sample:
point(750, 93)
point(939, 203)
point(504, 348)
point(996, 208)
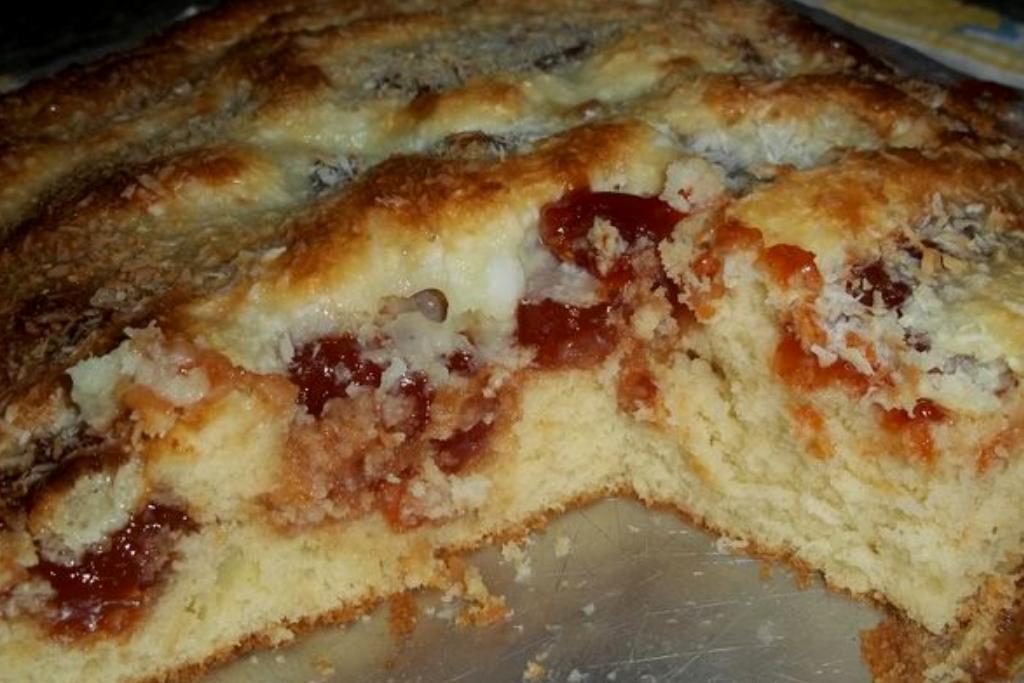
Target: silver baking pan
point(611, 592)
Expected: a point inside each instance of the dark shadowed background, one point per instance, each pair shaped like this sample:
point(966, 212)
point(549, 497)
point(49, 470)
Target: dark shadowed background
point(36, 37)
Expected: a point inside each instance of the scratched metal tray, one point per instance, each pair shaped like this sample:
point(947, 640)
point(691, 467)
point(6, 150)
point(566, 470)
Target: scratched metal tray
point(639, 596)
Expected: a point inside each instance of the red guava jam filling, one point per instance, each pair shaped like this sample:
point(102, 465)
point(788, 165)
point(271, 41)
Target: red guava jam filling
point(564, 335)
point(801, 370)
point(106, 590)
point(867, 279)
point(325, 368)
point(791, 266)
point(566, 223)
point(914, 427)
point(461, 363)
point(461, 448)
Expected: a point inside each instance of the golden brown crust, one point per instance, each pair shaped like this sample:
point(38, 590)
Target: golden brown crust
point(897, 649)
point(76, 276)
point(864, 196)
point(265, 640)
point(893, 651)
point(879, 103)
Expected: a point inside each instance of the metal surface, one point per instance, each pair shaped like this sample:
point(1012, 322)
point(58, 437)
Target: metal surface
point(639, 596)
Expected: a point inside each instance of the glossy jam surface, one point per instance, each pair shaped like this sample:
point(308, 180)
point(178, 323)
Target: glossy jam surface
point(915, 427)
point(801, 370)
point(564, 335)
point(566, 223)
point(791, 266)
point(106, 590)
point(325, 368)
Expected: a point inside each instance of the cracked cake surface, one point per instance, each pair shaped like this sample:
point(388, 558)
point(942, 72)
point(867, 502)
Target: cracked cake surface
point(318, 278)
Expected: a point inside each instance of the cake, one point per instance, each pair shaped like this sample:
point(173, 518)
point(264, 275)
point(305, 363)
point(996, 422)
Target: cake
point(303, 300)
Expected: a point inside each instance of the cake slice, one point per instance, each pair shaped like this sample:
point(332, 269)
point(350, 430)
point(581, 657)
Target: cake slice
point(303, 301)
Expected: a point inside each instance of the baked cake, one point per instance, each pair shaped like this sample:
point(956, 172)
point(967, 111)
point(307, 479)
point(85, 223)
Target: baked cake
point(303, 299)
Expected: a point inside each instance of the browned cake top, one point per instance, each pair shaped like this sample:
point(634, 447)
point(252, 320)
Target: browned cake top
point(164, 172)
